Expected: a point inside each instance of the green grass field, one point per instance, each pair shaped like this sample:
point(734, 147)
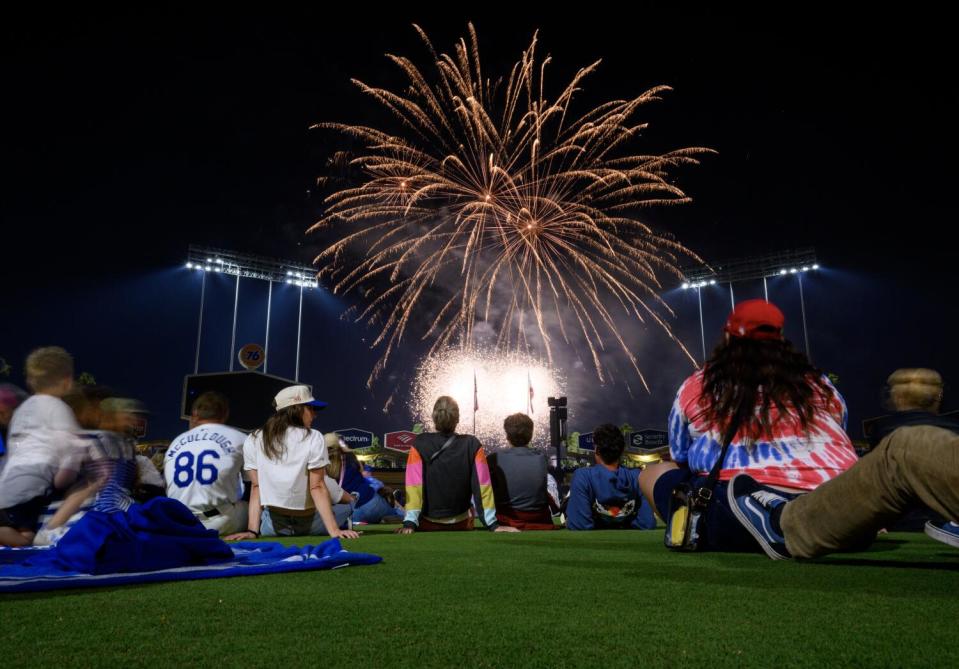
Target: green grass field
point(537, 599)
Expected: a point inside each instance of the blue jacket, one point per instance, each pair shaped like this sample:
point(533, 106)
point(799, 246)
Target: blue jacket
point(354, 481)
point(602, 499)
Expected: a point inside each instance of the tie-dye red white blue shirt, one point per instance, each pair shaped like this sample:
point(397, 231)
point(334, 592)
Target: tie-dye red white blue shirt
point(785, 455)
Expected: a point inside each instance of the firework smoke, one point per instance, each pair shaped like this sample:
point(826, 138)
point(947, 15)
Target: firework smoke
point(499, 207)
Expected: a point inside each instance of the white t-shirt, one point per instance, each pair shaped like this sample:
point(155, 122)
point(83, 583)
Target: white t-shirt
point(202, 467)
point(284, 483)
point(41, 441)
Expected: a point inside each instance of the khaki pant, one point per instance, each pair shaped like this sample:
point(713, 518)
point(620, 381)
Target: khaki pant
point(912, 465)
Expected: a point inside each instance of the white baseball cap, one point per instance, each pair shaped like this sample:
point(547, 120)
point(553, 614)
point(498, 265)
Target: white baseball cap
point(296, 395)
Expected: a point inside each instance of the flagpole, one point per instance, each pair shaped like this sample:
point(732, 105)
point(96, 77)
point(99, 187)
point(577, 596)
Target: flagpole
point(529, 393)
point(475, 401)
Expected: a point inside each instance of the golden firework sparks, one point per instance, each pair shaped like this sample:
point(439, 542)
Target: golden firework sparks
point(523, 211)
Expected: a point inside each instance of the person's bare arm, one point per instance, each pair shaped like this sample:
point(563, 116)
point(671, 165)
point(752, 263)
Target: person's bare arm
point(254, 511)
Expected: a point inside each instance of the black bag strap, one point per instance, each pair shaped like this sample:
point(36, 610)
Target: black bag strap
point(705, 493)
point(442, 448)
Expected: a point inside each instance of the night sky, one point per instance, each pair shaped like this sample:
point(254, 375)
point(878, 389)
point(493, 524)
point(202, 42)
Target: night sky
point(127, 137)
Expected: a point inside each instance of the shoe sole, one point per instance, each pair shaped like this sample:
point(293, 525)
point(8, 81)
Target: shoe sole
point(744, 521)
point(941, 535)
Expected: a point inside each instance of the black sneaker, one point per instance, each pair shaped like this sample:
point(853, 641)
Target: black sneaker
point(753, 504)
point(947, 533)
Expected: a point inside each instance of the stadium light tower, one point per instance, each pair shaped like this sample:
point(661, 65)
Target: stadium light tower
point(782, 263)
point(240, 265)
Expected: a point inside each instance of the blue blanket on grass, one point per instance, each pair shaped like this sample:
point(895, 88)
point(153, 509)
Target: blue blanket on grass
point(157, 541)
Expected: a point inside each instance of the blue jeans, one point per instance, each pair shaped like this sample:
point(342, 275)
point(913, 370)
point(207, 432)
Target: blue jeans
point(341, 512)
point(374, 511)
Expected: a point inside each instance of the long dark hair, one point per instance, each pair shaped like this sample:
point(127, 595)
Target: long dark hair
point(743, 373)
point(275, 429)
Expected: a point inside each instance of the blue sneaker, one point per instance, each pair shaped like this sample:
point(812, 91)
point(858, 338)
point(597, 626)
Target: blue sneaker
point(947, 533)
point(753, 504)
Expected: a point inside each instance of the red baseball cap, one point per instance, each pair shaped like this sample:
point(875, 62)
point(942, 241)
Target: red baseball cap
point(756, 319)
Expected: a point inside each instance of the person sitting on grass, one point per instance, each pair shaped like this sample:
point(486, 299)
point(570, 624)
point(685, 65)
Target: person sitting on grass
point(444, 470)
point(396, 497)
point(519, 476)
point(915, 464)
point(373, 504)
point(42, 450)
point(336, 474)
point(789, 423)
point(287, 460)
point(607, 496)
point(914, 397)
point(114, 477)
point(203, 466)
point(85, 402)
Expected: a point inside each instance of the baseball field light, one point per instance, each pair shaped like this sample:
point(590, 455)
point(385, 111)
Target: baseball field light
point(760, 267)
point(246, 266)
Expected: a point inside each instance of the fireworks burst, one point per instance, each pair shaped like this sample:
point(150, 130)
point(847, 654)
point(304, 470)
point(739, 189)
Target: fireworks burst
point(521, 210)
point(504, 384)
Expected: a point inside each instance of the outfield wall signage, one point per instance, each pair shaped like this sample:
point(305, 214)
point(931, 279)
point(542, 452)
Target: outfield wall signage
point(644, 440)
point(401, 441)
point(356, 439)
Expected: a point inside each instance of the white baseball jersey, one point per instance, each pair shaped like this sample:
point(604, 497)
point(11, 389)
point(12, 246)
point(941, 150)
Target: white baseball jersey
point(202, 467)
